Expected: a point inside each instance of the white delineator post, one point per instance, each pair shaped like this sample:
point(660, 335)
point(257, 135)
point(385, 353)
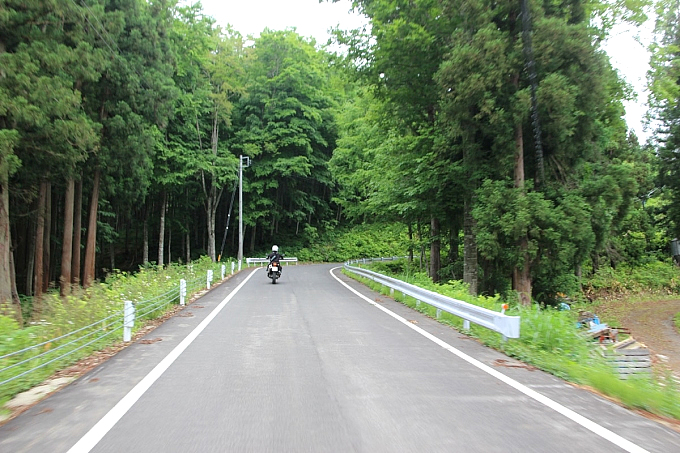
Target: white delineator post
point(233, 266)
point(182, 291)
point(209, 278)
point(224, 271)
point(128, 320)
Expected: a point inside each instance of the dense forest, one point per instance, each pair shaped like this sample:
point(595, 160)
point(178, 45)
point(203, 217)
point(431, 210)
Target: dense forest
point(492, 131)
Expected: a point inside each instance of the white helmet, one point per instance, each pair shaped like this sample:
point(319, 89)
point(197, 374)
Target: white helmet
point(275, 248)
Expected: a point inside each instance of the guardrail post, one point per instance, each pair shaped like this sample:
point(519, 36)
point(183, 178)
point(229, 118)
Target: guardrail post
point(209, 278)
point(233, 265)
point(128, 320)
point(417, 303)
point(439, 312)
point(391, 292)
point(466, 324)
point(224, 271)
point(182, 291)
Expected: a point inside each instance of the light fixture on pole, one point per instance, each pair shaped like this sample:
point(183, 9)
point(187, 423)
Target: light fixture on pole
point(241, 161)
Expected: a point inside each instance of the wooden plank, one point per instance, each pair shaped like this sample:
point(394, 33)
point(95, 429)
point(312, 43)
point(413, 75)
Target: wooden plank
point(631, 352)
point(631, 365)
point(628, 360)
point(629, 371)
point(624, 343)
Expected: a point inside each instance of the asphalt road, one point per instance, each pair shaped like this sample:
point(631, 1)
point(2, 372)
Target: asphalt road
point(307, 365)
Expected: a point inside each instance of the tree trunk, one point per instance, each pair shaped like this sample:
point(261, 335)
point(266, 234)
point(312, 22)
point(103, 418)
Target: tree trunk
point(521, 275)
point(77, 232)
point(435, 250)
point(7, 282)
point(16, 302)
point(30, 261)
point(454, 248)
point(210, 213)
point(252, 239)
point(188, 244)
point(410, 243)
point(470, 275)
point(67, 242)
point(161, 234)
point(422, 245)
point(47, 239)
point(38, 267)
point(145, 247)
point(112, 256)
point(170, 244)
point(90, 252)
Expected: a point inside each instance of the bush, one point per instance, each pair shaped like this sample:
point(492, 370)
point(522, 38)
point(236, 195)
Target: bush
point(659, 277)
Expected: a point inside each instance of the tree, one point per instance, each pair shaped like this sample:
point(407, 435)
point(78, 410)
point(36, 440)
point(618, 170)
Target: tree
point(44, 68)
point(210, 77)
point(486, 104)
point(399, 59)
point(285, 124)
point(664, 84)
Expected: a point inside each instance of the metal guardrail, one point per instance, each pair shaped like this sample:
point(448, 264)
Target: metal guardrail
point(371, 260)
point(62, 349)
point(250, 261)
point(508, 326)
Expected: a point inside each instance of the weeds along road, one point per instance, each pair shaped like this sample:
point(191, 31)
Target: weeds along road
point(309, 365)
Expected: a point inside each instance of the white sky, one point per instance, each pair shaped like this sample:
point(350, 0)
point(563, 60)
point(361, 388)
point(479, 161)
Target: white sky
point(312, 18)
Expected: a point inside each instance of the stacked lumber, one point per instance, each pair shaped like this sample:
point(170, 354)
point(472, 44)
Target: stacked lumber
point(629, 358)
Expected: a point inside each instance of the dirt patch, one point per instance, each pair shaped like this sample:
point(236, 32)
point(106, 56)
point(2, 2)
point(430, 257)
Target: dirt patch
point(513, 364)
point(651, 323)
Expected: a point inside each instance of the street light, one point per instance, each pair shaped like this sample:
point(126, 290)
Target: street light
point(241, 161)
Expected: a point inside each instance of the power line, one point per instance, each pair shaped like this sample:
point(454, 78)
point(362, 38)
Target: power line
point(95, 28)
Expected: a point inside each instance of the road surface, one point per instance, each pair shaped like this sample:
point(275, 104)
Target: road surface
point(310, 365)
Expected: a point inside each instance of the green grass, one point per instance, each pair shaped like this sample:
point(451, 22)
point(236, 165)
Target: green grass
point(660, 278)
point(549, 340)
point(154, 290)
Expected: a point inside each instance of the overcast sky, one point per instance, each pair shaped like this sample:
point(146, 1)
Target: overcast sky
point(312, 18)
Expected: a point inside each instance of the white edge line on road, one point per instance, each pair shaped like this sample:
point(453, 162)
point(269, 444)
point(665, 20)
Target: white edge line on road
point(103, 426)
point(570, 414)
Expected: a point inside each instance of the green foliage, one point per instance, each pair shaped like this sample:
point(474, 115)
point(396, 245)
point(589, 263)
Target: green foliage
point(285, 123)
point(657, 277)
point(339, 245)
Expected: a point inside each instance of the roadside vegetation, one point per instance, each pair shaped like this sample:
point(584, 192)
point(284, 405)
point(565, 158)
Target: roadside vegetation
point(550, 339)
point(98, 312)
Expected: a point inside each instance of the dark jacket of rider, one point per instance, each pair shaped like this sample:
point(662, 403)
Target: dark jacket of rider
point(275, 255)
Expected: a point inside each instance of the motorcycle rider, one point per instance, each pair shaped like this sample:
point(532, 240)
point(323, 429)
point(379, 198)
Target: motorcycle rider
point(275, 256)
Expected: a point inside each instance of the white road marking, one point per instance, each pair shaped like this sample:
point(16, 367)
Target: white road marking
point(570, 414)
point(103, 426)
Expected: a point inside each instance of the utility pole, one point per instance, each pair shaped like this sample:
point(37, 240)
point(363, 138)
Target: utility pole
point(241, 160)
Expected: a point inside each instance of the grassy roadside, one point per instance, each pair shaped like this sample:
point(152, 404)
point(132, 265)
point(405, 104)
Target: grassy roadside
point(548, 340)
point(97, 314)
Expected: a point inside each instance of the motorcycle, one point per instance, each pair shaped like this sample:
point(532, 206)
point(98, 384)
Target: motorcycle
point(274, 270)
